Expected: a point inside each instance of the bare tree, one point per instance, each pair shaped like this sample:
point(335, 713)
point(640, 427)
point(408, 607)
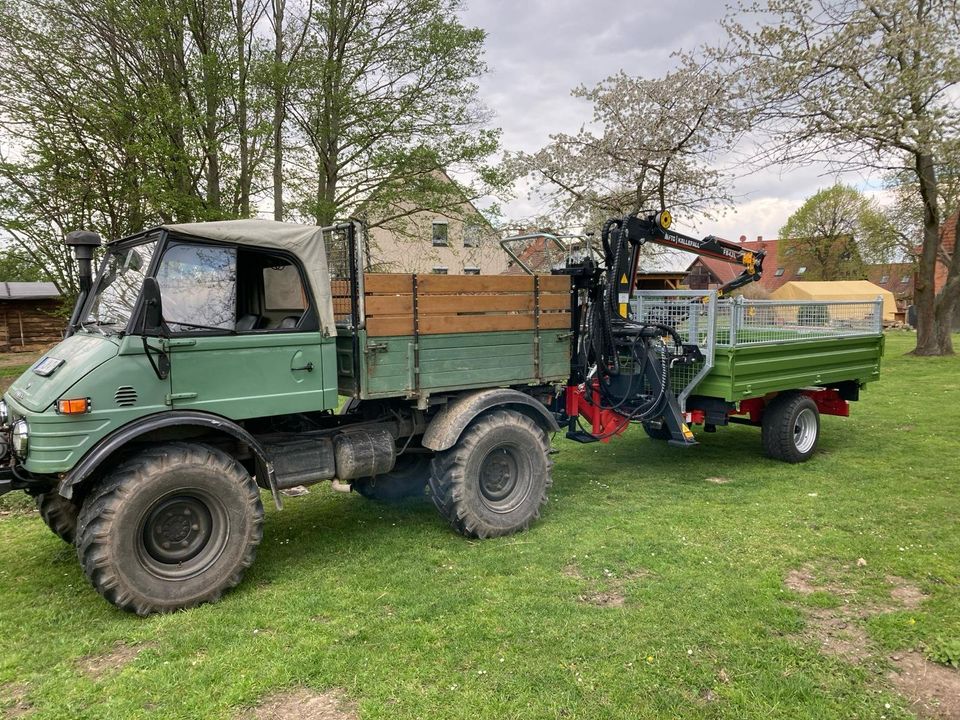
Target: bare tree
point(870, 85)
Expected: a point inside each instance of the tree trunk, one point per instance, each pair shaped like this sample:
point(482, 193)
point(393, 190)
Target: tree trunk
point(948, 300)
point(925, 292)
point(279, 106)
point(244, 180)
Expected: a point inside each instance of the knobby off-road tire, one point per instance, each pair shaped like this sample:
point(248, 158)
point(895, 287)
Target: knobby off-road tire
point(494, 481)
point(170, 528)
point(791, 428)
point(407, 479)
point(59, 514)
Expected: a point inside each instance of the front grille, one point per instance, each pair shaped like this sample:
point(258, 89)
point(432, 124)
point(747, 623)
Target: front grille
point(125, 396)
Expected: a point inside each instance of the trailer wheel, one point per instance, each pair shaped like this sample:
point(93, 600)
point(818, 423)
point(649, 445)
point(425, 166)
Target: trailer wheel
point(791, 428)
point(170, 528)
point(59, 514)
point(495, 479)
point(407, 479)
point(660, 433)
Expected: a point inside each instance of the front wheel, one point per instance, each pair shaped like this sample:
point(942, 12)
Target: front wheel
point(495, 479)
point(59, 514)
point(170, 528)
point(791, 428)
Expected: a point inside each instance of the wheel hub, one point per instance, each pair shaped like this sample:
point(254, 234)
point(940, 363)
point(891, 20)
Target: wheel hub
point(177, 529)
point(805, 430)
point(498, 474)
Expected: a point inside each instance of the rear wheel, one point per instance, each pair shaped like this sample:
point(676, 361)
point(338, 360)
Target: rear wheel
point(791, 428)
point(59, 514)
point(657, 433)
point(495, 479)
point(170, 528)
point(407, 479)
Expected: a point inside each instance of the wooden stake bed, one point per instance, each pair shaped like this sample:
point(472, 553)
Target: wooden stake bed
point(464, 303)
point(422, 334)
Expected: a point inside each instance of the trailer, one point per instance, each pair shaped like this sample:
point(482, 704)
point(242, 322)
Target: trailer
point(210, 362)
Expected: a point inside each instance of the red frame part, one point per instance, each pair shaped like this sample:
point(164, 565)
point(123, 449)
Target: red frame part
point(584, 402)
point(828, 401)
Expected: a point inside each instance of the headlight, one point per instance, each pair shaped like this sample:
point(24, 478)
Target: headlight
point(21, 435)
point(4, 415)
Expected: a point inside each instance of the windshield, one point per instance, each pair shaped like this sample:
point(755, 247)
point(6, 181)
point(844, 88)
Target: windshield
point(118, 286)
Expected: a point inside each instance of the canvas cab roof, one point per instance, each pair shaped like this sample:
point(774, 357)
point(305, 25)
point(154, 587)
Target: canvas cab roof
point(305, 242)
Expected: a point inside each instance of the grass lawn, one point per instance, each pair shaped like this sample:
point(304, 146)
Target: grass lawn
point(646, 591)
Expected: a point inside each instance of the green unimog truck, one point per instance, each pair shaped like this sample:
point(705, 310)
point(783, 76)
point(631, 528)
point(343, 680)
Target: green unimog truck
point(208, 362)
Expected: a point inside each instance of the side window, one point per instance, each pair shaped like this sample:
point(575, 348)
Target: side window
point(198, 284)
point(282, 289)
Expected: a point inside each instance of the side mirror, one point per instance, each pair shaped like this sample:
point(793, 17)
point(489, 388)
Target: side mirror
point(152, 307)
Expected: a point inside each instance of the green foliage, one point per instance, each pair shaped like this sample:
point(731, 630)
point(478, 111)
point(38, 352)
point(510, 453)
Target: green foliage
point(411, 620)
point(835, 233)
point(945, 652)
point(16, 266)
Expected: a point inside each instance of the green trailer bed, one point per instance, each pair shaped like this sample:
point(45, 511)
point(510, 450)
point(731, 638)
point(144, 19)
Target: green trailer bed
point(756, 347)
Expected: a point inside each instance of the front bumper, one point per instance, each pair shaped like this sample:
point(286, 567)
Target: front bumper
point(14, 477)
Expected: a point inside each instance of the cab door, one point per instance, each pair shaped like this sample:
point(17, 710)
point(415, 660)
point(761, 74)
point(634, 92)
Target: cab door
point(244, 340)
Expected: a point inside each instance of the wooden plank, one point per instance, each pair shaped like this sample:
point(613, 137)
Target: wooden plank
point(389, 305)
point(387, 283)
point(387, 326)
point(452, 304)
point(555, 301)
point(433, 324)
point(550, 321)
point(555, 283)
point(452, 284)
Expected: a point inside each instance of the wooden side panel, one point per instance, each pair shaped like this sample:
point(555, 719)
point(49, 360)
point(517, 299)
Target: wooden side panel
point(464, 303)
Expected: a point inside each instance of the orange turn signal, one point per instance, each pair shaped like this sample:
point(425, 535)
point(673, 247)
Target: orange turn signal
point(75, 406)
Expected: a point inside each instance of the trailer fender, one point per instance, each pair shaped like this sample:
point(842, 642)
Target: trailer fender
point(445, 429)
point(103, 450)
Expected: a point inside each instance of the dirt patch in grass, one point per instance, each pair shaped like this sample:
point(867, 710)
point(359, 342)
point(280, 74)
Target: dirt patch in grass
point(839, 634)
point(13, 700)
point(933, 690)
point(905, 593)
point(718, 480)
point(96, 667)
point(609, 592)
point(801, 581)
point(304, 704)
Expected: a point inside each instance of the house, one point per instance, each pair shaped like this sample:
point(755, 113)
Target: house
point(30, 315)
point(705, 273)
point(455, 242)
point(779, 269)
point(948, 245)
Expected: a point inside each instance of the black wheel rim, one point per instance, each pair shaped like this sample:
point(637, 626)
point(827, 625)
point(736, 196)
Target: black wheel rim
point(182, 534)
point(504, 478)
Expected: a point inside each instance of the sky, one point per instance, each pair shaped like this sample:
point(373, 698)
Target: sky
point(538, 50)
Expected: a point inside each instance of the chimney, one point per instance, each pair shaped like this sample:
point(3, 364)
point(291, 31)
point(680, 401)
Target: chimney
point(759, 238)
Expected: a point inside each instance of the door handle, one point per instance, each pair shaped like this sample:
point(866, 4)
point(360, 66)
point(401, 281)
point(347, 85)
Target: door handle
point(308, 367)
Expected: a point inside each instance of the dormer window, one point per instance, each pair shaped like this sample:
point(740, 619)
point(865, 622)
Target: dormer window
point(801, 270)
point(884, 279)
point(779, 272)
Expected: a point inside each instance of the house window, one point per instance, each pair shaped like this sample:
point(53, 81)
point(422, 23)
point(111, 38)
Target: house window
point(905, 279)
point(471, 235)
point(779, 272)
point(471, 271)
point(884, 279)
point(801, 270)
point(439, 270)
point(440, 234)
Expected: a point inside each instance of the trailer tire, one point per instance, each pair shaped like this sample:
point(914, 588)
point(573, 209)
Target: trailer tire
point(660, 433)
point(494, 480)
point(408, 478)
point(791, 428)
point(59, 514)
point(170, 528)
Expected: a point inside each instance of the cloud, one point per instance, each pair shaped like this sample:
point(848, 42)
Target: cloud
point(539, 50)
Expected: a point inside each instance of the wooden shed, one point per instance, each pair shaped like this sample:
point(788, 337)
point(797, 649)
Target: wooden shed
point(29, 315)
